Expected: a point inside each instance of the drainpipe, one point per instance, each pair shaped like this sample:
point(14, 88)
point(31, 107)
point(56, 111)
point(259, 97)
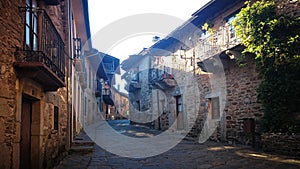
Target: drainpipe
point(158, 109)
point(69, 85)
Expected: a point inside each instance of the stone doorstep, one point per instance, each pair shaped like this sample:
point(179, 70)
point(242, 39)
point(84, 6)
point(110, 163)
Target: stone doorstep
point(81, 149)
point(193, 139)
point(82, 144)
point(77, 143)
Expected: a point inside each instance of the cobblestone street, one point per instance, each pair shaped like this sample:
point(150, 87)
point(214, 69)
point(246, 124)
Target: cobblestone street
point(187, 154)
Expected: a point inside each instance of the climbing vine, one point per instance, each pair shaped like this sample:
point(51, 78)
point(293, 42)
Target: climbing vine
point(274, 38)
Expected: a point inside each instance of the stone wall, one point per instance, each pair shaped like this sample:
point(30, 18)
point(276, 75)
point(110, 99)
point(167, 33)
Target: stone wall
point(240, 103)
point(281, 143)
point(59, 17)
point(55, 141)
point(145, 99)
point(162, 107)
point(203, 80)
point(289, 7)
point(141, 98)
point(47, 144)
point(121, 103)
point(10, 34)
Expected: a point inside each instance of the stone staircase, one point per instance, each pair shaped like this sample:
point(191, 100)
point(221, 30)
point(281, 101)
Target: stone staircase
point(82, 144)
point(195, 131)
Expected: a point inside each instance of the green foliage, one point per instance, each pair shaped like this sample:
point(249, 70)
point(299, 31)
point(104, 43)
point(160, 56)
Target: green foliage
point(275, 41)
point(208, 28)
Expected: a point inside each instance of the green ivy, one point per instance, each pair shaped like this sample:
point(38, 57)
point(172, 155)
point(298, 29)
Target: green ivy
point(275, 41)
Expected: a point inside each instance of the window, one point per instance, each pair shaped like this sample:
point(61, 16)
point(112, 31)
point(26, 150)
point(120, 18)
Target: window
point(179, 112)
point(135, 77)
point(90, 77)
point(109, 67)
point(138, 105)
point(214, 107)
point(31, 36)
point(178, 104)
point(77, 47)
point(231, 28)
point(55, 118)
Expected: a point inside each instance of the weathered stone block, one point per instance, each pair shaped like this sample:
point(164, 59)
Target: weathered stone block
point(7, 107)
point(6, 155)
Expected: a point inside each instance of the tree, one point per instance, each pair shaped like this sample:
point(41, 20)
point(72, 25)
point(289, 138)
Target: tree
point(274, 38)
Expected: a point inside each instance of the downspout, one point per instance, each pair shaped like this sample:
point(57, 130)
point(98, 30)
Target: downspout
point(69, 88)
point(158, 109)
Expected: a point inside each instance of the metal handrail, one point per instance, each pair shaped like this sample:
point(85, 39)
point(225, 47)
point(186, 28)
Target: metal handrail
point(50, 46)
point(220, 40)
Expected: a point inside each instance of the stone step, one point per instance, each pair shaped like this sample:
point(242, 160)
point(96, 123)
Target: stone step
point(81, 149)
point(77, 143)
point(82, 140)
point(82, 144)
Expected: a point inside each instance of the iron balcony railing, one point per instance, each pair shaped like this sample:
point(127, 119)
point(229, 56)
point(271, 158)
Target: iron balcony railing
point(39, 57)
point(49, 48)
point(161, 79)
point(109, 68)
point(77, 43)
point(220, 40)
point(98, 89)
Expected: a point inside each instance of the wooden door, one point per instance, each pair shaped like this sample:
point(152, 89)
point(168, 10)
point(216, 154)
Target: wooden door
point(179, 113)
point(25, 144)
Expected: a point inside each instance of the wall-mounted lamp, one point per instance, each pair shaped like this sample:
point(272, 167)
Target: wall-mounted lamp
point(182, 54)
point(247, 101)
point(77, 47)
point(233, 54)
point(54, 52)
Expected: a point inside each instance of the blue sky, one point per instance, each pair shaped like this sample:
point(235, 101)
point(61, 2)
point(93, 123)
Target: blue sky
point(103, 13)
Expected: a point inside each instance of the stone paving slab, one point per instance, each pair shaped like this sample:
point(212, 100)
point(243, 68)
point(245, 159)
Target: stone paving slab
point(185, 155)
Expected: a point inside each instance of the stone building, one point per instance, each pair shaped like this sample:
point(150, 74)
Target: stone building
point(83, 74)
point(36, 47)
point(121, 104)
point(158, 93)
point(192, 83)
point(198, 88)
point(235, 109)
point(106, 72)
point(139, 92)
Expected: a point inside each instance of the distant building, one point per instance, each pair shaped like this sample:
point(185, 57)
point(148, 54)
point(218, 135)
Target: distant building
point(190, 82)
point(83, 73)
point(36, 47)
point(106, 72)
point(139, 92)
point(121, 104)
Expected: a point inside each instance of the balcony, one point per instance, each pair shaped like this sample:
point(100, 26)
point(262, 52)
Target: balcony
point(82, 79)
point(98, 93)
point(52, 2)
point(135, 84)
point(221, 40)
point(44, 62)
point(78, 58)
point(164, 81)
point(133, 87)
point(109, 68)
point(78, 64)
point(98, 90)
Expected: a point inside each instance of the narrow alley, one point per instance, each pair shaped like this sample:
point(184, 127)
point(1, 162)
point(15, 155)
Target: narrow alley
point(187, 154)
